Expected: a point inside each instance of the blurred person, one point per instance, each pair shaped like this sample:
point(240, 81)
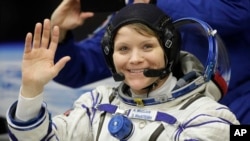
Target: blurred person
point(229, 18)
point(140, 41)
point(68, 16)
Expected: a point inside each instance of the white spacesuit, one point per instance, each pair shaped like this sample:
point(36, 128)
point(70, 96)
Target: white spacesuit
point(183, 108)
point(154, 118)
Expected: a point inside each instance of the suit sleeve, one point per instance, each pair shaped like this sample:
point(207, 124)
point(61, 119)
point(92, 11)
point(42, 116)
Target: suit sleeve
point(61, 127)
point(87, 62)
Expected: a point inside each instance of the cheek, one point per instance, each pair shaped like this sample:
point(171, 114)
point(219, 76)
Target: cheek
point(158, 60)
point(118, 61)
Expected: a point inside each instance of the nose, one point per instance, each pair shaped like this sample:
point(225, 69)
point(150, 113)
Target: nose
point(136, 57)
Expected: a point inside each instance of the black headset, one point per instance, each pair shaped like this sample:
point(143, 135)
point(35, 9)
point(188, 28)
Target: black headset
point(162, 25)
point(217, 67)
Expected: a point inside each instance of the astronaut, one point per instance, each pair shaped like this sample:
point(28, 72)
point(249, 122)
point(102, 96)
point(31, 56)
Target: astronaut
point(164, 94)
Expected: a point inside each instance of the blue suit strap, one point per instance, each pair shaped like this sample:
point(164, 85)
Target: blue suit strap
point(143, 114)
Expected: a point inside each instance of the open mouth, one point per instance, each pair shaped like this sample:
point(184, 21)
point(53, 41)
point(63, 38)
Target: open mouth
point(136, 70)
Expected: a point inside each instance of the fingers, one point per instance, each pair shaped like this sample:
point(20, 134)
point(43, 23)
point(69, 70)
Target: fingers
point(37, 35)
point(42, 37)
point(54, 39)
point(141, 1)
point(86, 15)
point(42, 34)
point(45, 34)
point(61, 63)
point(28, 42)
point(53, 46)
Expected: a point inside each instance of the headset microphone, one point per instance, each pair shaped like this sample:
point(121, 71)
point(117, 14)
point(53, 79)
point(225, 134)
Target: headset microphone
point(147, 73)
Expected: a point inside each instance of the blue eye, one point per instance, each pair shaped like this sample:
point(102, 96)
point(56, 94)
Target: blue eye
point(147, 47)
point(123, 48)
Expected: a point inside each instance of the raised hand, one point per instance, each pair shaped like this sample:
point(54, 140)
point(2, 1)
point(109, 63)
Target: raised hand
point(68, 16)
point(38, 66)
point(141, 1)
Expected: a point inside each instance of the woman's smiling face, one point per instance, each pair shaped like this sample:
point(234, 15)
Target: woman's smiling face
point(134, 51)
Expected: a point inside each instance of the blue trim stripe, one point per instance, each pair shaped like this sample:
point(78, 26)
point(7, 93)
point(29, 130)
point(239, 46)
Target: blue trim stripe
point(29, 125)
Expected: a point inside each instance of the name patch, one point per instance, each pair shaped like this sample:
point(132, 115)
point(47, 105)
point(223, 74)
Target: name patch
point(142, 114)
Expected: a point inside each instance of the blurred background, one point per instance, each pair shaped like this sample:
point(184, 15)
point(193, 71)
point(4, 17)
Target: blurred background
point(17, 17)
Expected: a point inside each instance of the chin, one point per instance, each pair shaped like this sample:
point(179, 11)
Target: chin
point(137, 85)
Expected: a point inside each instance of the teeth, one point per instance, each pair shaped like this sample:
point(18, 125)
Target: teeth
point(137, 71)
